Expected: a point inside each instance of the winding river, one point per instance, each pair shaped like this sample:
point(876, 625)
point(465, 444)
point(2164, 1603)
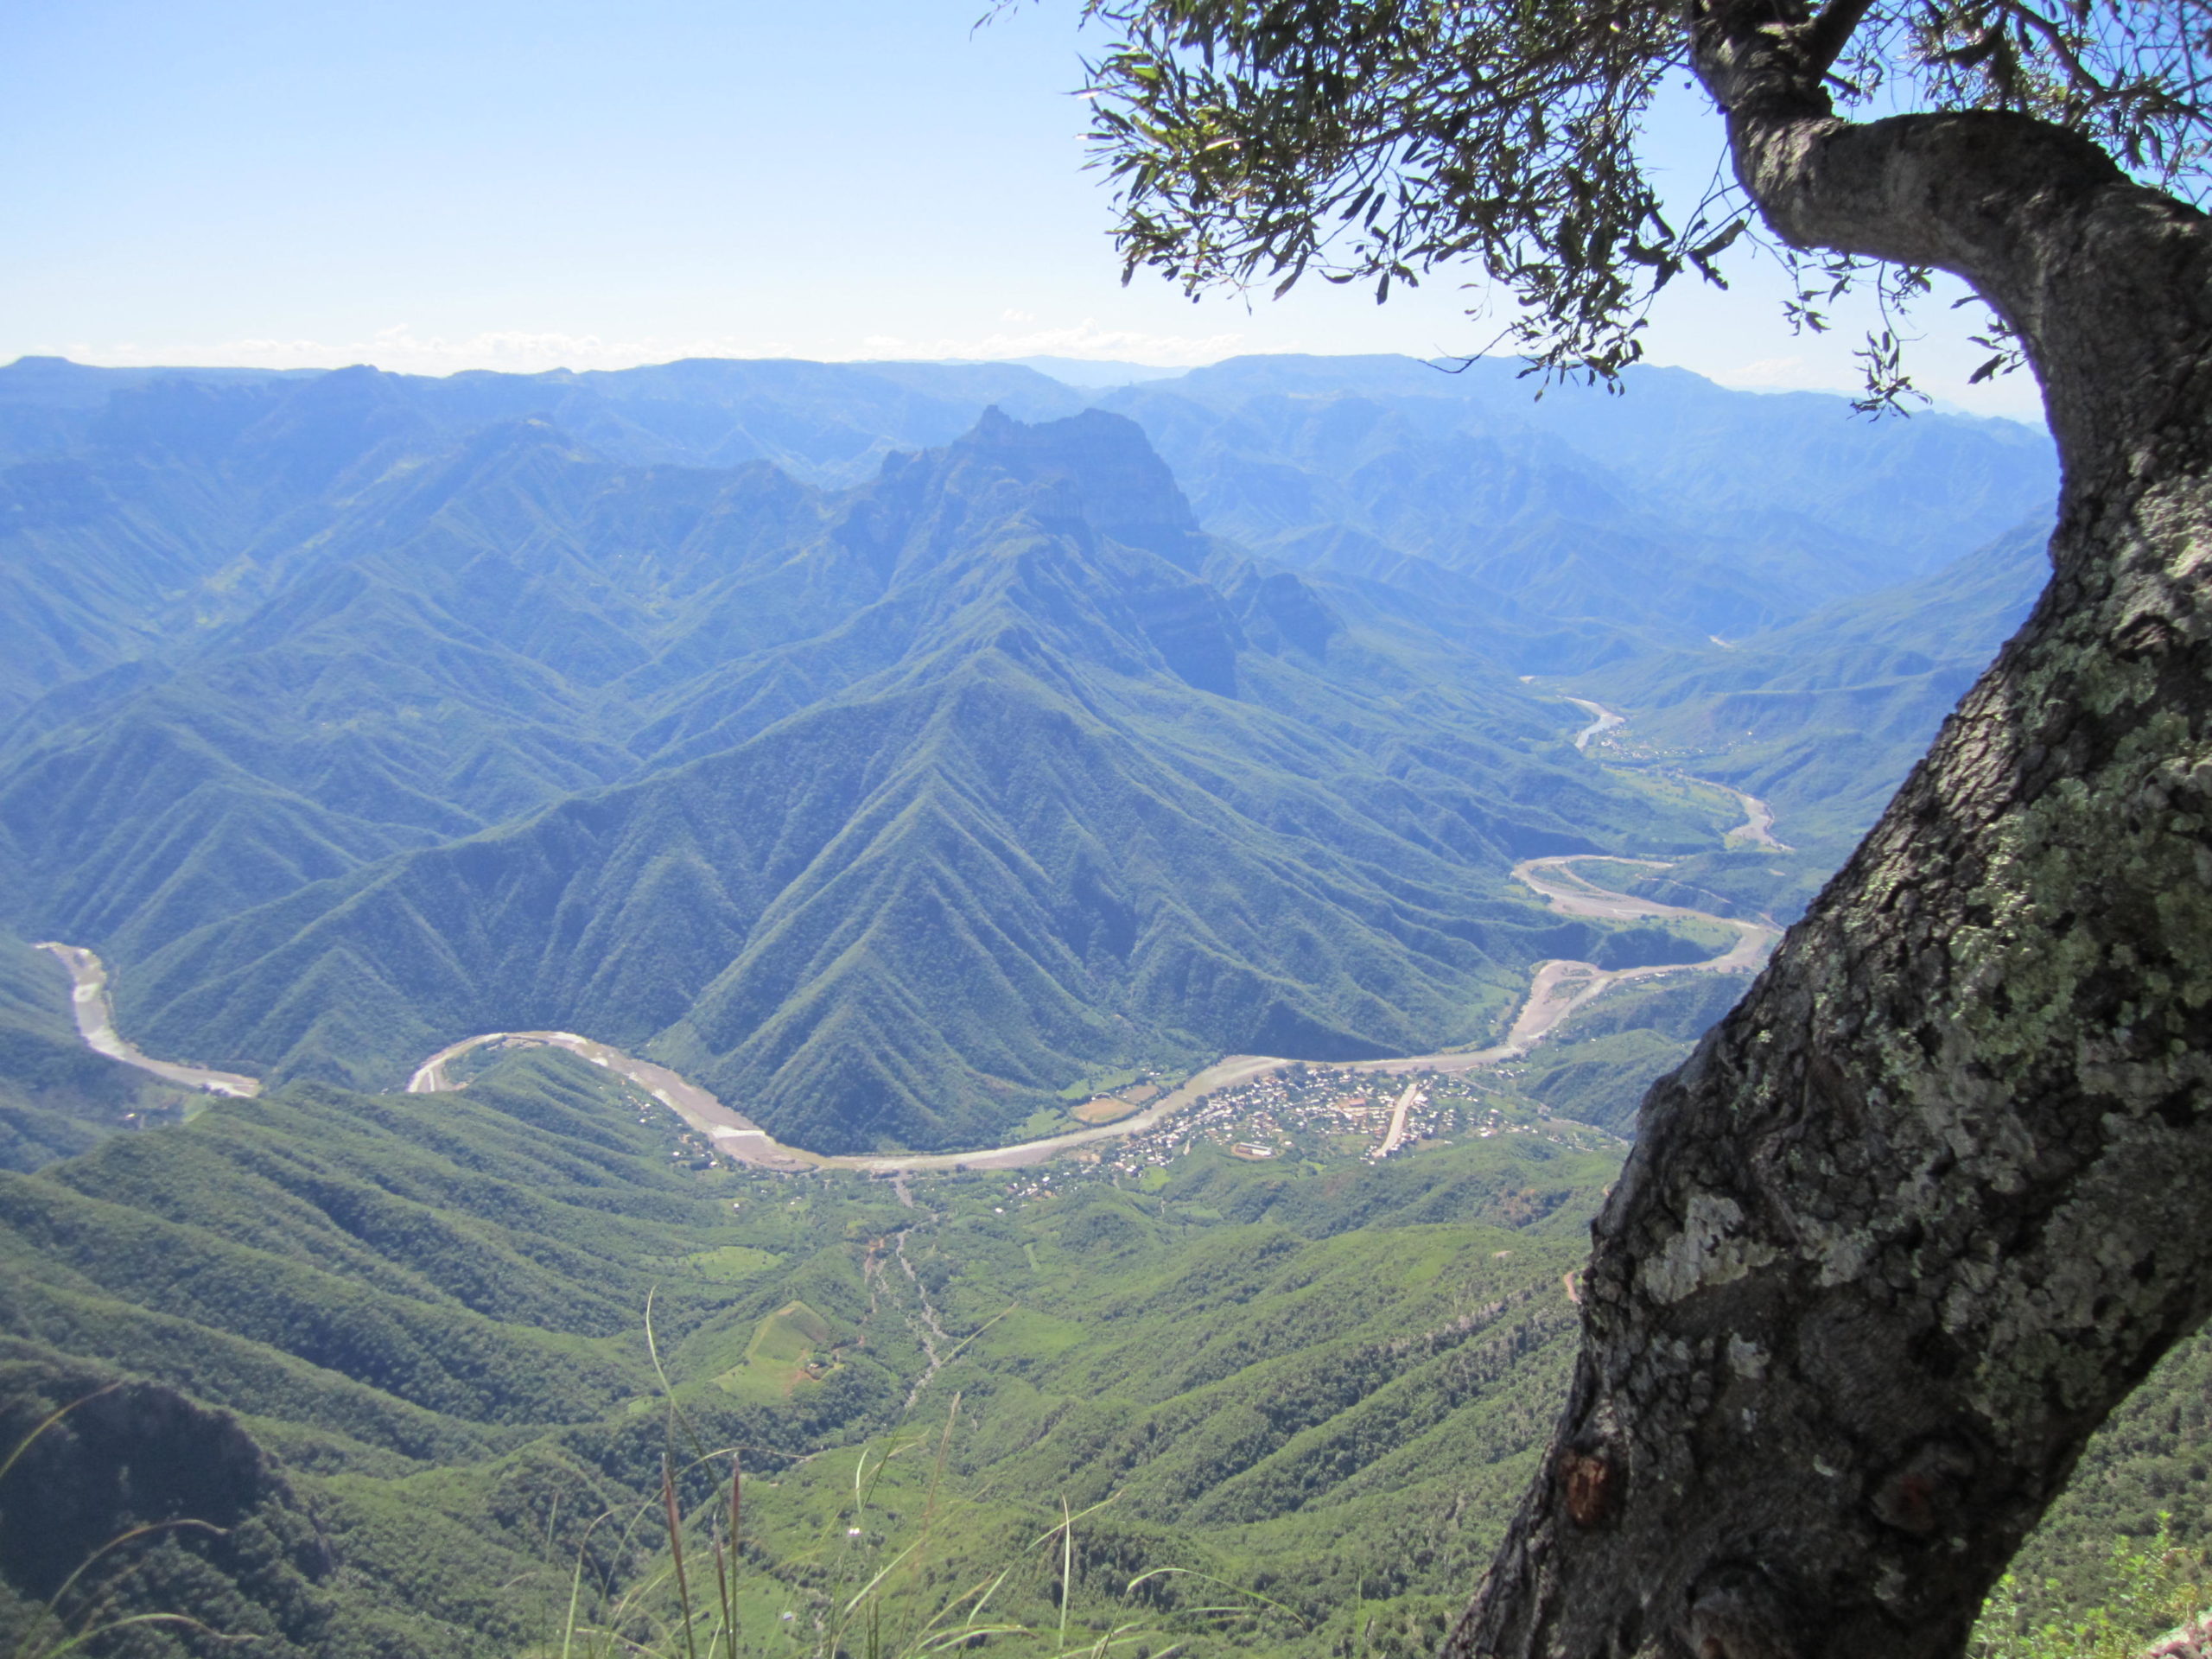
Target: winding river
point(88, 1001)
point(1556, 990)
point(1758, 827)
point(1602, 719)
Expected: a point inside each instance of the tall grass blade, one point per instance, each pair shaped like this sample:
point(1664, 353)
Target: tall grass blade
point(576, 1594)
point(53, 1601)
point(699, 1452)
point(1292, 1614)
point(48, 1421)
point(883, 1572)
point(675, 1551)
point(78, 1640)
point(729, 1591)
point(1067, 1566)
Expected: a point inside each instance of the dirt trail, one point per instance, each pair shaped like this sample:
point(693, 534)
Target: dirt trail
point(935, 1343)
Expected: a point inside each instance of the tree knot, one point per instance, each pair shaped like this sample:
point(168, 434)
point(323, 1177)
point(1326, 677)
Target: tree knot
point(1925, 1490)
point(1591, 1482)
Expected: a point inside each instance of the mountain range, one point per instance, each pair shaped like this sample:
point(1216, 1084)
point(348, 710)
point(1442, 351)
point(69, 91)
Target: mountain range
point(897, 748)
point(905, 751)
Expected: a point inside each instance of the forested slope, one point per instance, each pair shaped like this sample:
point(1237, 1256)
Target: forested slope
point(1023, 779)
point(895, 790)
point(397, 1347)
point(427, 1314)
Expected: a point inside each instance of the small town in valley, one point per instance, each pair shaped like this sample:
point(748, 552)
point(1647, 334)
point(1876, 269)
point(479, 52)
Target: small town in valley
point(1319, 1114)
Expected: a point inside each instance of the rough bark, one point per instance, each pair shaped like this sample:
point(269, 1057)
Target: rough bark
point(1928, 1203)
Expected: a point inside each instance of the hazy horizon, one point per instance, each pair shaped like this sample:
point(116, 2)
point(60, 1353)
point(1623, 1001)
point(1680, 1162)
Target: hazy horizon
point(522, 189)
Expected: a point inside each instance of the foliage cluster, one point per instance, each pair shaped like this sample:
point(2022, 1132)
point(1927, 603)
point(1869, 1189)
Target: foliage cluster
point(1375, 141)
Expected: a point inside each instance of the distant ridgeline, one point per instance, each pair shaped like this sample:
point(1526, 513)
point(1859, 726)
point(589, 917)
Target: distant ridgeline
point(898, 748)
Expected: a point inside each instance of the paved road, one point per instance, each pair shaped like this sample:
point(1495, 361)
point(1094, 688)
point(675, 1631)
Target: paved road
point(1397, 1135)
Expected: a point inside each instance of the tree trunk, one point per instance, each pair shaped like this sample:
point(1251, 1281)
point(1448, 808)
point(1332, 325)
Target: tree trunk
point(1930, 1201)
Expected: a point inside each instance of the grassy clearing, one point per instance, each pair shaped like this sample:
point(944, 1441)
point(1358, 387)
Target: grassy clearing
point(1099, 1083)
point(1671, 789)
point(732, 1262)
point(777, 1358)
point(1614, 875)
point(1713, 935)
point(1026, 1333)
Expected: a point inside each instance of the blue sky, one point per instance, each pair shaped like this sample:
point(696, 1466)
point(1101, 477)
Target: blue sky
point(488, 184)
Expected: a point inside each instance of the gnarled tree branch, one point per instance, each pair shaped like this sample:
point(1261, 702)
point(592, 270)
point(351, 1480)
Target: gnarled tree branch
point(1830, 31)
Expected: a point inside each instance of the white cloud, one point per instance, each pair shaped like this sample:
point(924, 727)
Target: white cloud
point(1085, 339)
point(1787, 371)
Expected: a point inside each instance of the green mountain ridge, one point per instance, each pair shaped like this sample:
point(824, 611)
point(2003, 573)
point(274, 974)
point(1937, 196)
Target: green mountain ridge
point(508, 701)
point(1012, 798)
point(1823, 717)
point(1568, 531)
